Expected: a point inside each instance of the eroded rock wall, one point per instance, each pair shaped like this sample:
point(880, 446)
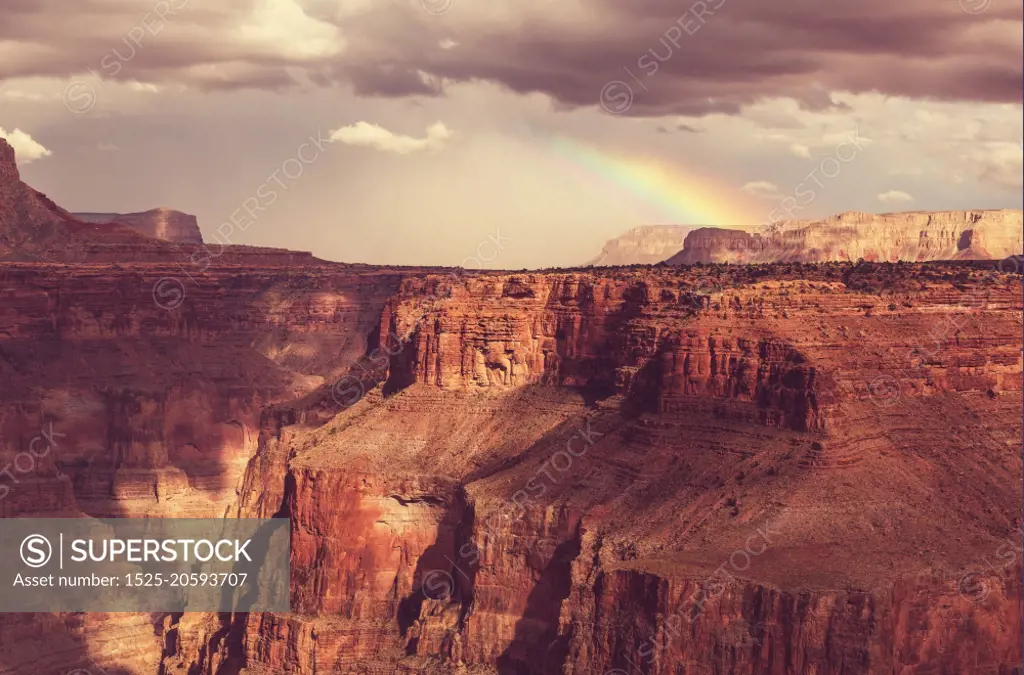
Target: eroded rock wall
point(888, 237)
point(767, 508)
point(119, 401)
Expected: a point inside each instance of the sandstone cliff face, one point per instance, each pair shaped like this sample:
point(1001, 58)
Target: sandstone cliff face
point(519, 504)
point(764, 471)
point(153, 411)
point(914, 236)
point(163, 224)
point(644, 245)
point(165, 401)
point(592, 332)
point(681, 472)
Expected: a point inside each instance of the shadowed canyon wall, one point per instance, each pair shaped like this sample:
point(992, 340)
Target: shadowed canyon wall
point(628, 473)
point(759, 470)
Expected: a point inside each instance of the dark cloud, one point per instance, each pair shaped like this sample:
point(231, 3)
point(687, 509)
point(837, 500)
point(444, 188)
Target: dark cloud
point(676, 58)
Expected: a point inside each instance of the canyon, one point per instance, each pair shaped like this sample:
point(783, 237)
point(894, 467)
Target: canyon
point(762, 470)
point(913, 236)
point(888, 237)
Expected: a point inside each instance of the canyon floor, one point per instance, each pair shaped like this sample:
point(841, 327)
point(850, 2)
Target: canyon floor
point(761, 470)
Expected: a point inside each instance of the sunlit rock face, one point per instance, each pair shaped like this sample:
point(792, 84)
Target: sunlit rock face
point(578, 472)
point(789, 468)
point(890, 237)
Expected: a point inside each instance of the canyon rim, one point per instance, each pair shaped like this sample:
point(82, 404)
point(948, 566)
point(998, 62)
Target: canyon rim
point(716, 469)
point(441, 337)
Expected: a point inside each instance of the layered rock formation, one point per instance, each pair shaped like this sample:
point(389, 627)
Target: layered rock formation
point(889, 237)
point(673, 472)
point(747, 470)
point(163, 224)
point(644, 245)
point(152, 384)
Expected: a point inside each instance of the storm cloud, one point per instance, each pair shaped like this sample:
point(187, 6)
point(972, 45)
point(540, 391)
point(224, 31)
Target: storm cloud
point(664, 57)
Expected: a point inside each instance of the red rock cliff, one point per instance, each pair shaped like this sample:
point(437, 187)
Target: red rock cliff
point(751, 470)
point(519, 503)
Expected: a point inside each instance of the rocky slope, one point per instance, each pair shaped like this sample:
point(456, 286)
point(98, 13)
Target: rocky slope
point(889, 237)
point(163, 224)
point(152, 385)
point(577, 473)
point(760, 470)
point(644, 245)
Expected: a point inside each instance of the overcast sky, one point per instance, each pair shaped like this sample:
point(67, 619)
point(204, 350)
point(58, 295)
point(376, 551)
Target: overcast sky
point(424, 131)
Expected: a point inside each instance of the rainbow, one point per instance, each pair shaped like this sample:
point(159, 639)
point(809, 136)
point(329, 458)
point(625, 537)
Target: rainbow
point(686, 198)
